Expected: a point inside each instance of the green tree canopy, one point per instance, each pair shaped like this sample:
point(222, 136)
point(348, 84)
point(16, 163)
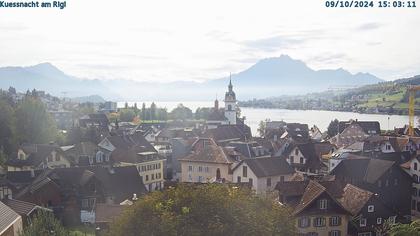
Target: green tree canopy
point(332, 129)
point(181, 113)
point(127, 115)
point(7, 127)
point(33, 123)
point(412, 229)
point(209, 209)
point(44, 223)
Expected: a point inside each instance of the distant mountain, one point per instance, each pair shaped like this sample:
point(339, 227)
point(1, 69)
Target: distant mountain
point(268, 77)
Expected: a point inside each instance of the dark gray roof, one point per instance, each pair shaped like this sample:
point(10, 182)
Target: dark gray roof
point(363, 169)
point(8, 216)
point(120, 182)
point(268, 166)
point(21, 207)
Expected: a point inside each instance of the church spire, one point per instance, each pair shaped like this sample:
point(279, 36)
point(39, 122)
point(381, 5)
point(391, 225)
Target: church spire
point(230, 83)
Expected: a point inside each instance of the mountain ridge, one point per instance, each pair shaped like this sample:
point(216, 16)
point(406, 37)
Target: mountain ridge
point(268, 77)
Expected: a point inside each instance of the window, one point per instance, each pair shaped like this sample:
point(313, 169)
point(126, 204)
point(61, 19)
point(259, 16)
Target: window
point(415, 165)
point(206, 169)
point(371, 208)
point(303, 222)
point(335, 233)
point(200, 169)
point(414, 192)
point(415, 178)
point(239, 179)
point(301, 160)
point(413, 205)
point(21, 156)
point(190, 168)
point(291, 159)
point(335, 221)
point(57, 158)
point(85, 203)
point(106, 158)
point(323, 204)
point(147, 177)
point(244, 171)
point(200, 179)
point(388, 147)
point(363, 222)
point(268, 182)
point(250, 182)
point(153, 176)
point(392, 219)
point(379, 220)
point(296, 151)
point(319, 222)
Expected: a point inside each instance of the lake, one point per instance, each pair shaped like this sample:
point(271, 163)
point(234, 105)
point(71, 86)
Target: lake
point(310, 117)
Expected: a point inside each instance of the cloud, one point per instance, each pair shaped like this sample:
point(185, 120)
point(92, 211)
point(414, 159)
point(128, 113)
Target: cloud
point(369, 26)
point(272, 44)
point(331, 58)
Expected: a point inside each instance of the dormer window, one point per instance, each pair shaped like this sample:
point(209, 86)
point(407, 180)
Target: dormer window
point(363, 222)
point(323, 204)
point(371, 208)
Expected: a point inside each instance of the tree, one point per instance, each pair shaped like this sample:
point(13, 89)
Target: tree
point(143, 111)
point(7, 127)
point(181, 113)
point(127, 115)
point(44, 223)
point(332, 129)
point(153, 111)
point(207, 209)
point(261, 128)
point(412, 229)
point(33, 123)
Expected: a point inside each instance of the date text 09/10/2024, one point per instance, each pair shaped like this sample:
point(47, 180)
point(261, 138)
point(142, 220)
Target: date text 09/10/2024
point(34, 4)
point(370, 4)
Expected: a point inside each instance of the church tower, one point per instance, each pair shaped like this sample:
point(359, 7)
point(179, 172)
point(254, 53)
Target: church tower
point(230, 105)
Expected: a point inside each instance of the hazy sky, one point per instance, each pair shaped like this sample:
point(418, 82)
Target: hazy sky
point(206, 39)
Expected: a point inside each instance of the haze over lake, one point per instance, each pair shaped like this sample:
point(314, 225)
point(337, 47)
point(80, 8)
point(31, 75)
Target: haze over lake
point(310, 117)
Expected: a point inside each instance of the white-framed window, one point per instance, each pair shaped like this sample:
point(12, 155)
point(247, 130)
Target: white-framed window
point(200, 169)
point(335, 233)
point(392, 219)
point(190, 168)
point(363, 222)
point(319, 222)
point(304, 222)
point(371, 208)
point(379, 220)
point(323, 204)
point(335, 220)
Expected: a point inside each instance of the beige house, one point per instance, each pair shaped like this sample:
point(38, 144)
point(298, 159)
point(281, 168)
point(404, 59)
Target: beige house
point(38, 156)
point(262, 173)
point(208, 162)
